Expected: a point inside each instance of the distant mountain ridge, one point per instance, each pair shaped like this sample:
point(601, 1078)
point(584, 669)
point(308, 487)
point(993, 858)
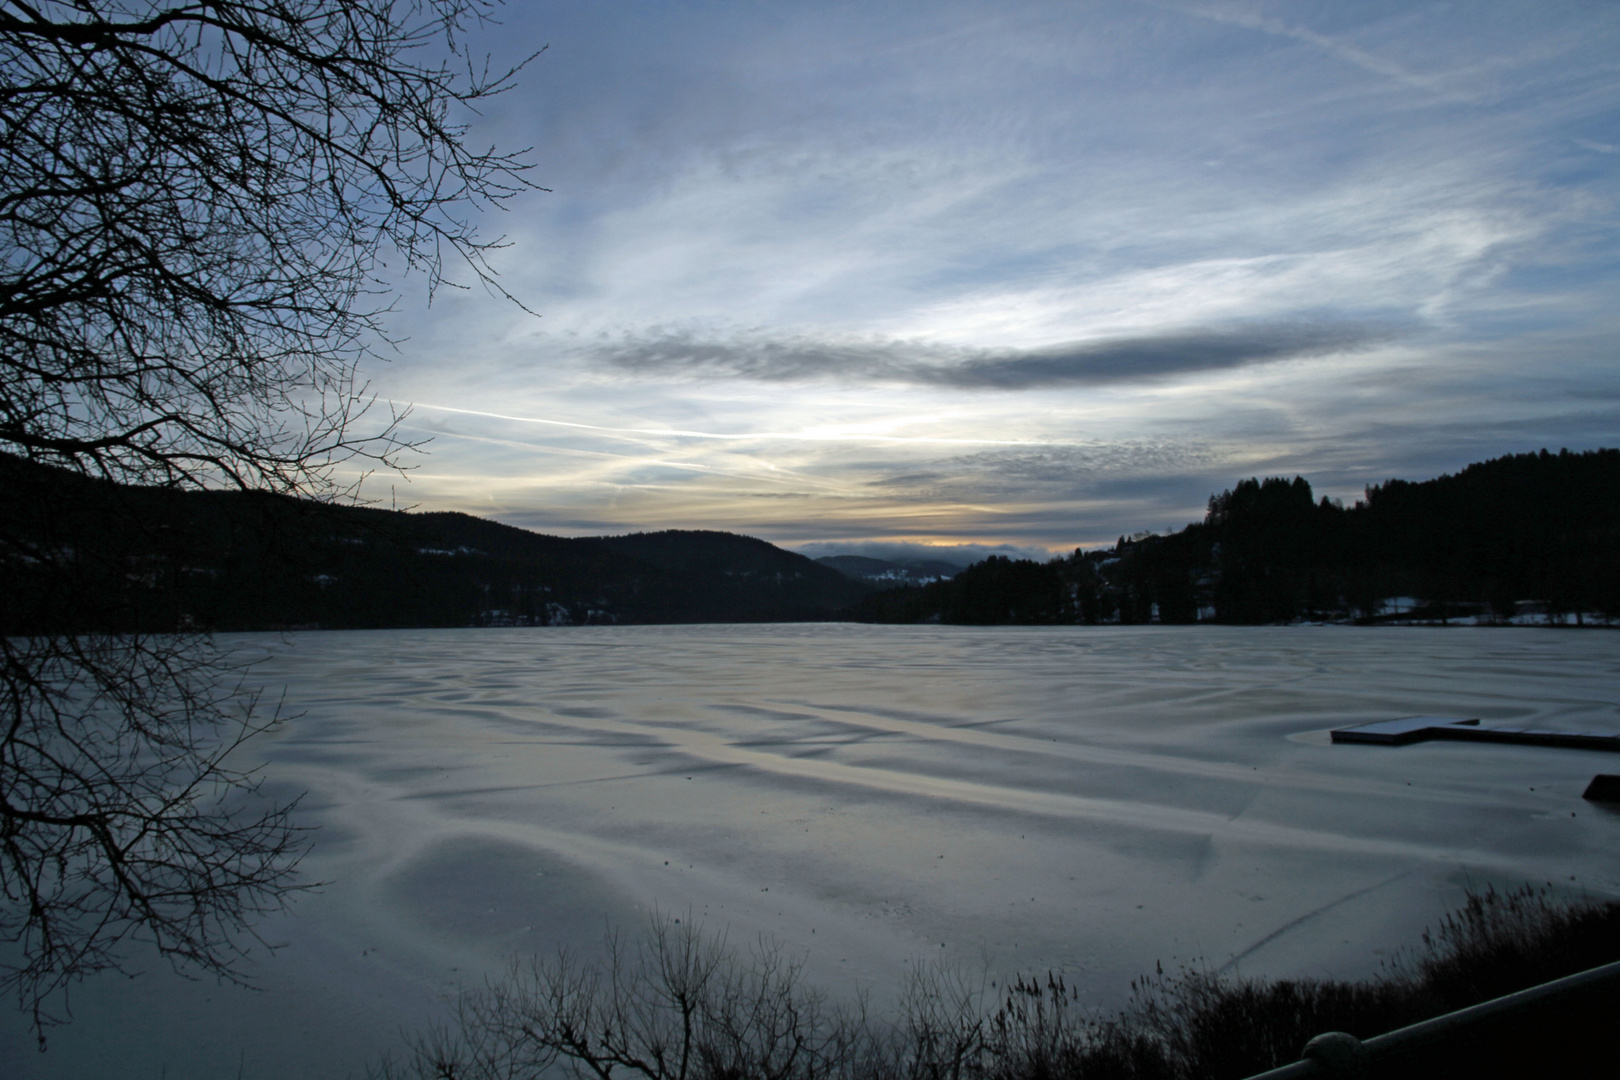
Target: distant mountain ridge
point(885, 572)
point(83, 554)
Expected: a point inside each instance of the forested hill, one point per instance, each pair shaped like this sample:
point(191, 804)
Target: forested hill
point(1530, 531)
point(78, 554)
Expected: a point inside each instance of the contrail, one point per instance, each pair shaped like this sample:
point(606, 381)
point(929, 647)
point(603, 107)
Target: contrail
point(732, 436)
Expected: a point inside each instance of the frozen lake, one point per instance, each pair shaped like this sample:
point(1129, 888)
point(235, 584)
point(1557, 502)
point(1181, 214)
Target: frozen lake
point(1089, 800)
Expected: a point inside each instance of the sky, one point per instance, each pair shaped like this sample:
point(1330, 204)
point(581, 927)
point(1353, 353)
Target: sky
point(1020, 276)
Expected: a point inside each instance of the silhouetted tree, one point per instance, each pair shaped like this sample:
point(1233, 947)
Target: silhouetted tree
point(1530, 526)
point(1000, 591)
point(198, 204)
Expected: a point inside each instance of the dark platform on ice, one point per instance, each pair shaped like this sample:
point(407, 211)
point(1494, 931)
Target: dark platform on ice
point(1413, 729)
point(1603, 788)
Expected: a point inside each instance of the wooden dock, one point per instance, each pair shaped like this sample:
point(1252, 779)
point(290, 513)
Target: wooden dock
point(1413, 729)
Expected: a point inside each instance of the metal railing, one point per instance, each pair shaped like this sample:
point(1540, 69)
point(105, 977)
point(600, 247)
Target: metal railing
point(1338, 1056)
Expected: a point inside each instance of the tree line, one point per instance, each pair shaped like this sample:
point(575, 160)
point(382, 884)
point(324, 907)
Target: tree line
point(1541, 528)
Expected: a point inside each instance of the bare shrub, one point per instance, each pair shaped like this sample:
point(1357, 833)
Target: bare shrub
point(679, 1004)
point(1499, 942)
point(1040, 1031)
point(1211, 1025)
point(943, 1016)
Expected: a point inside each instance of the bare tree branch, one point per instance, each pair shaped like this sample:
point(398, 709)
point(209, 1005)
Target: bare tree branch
point(198, 203)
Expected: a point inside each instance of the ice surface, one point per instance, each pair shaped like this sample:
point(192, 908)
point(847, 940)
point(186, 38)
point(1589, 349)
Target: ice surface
point(1089, 800)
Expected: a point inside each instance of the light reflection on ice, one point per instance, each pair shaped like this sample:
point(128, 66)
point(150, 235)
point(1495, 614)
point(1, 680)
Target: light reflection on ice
point(1089, 800)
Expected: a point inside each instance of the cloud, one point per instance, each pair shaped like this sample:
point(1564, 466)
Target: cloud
point(1345, 50)
point(1091, 461)
point(1134, 359)
point(1597, 147)
point(863, 273)
point(1082, 363)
